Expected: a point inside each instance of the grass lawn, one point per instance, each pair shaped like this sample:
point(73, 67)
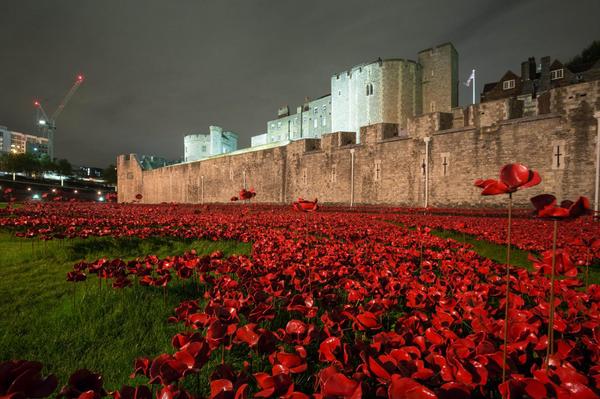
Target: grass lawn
point(103, 330)
point(5, 204)
point(497, 253)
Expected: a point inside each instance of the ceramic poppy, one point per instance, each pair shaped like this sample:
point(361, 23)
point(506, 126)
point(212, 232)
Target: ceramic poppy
point(513, 177)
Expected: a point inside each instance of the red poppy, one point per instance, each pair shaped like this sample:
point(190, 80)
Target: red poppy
point(545, 206)
point(563, 264)
point(23, 379)
point(127, 392)
point(337, 385)
point(247, 194)
point(83, 382)
point(513, 177)
point(303, 205)
point(407, 388)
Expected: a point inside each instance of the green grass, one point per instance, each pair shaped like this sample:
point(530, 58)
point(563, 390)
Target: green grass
point(103, 330)
point(497, 253)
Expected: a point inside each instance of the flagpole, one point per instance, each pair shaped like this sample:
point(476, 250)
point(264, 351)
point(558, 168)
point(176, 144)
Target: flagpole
point(473, 86)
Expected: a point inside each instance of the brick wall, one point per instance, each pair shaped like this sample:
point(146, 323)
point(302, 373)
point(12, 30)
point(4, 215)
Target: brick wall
point(388, 163)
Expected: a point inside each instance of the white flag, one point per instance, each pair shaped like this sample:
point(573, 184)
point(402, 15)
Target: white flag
point(468, 82)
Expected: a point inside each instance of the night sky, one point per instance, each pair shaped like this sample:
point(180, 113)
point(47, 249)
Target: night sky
point(157, 70)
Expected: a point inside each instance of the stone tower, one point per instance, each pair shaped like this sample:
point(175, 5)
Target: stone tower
point(439, 78)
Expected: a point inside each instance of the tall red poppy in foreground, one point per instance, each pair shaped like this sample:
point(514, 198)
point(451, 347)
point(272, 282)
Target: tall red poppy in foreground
point(513, 177)
point(546, 207)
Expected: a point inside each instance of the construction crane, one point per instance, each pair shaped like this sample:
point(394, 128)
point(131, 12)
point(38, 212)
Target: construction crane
point(47, 125)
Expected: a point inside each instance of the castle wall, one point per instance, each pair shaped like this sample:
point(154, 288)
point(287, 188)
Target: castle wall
point(466, 144)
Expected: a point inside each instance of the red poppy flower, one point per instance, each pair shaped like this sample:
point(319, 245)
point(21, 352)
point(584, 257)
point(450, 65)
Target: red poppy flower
point(127, 392)
point(83, 382)
point(563, 264)
point(305, 206)
point(337, 385)
point(247, 194)
point(407, 388)
point(23, 379)
point(513, 177)
point(545, 205)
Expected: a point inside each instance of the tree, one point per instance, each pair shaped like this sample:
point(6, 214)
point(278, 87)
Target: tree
point(589, 54)
point(64, 167)
point(110, 174)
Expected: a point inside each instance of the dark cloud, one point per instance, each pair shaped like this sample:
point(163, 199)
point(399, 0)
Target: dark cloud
point(157, 70)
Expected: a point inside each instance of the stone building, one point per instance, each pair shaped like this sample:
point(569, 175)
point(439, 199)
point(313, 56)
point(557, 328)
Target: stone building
point(382, 91)
point(311, 120)
point(200, 146)
point(427, 159)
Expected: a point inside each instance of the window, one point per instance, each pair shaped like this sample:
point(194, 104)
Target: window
point(316, 110)
point(432, 106)
point(377, 176)
point(333, 174)
point(203, 148)
point(272, 125)
point(278, 124)
point(231, 174)
point(445, 158)
point(315, 123)
point(559, 152)
point(557, 74)
point(323, 121)
point(304, 176)
point(508, 84)
point(369, 89)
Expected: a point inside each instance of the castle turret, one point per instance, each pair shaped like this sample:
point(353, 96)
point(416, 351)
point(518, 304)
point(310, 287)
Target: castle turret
point(439, 77)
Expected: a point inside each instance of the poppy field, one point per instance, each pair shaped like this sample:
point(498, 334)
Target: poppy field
point(247, 300)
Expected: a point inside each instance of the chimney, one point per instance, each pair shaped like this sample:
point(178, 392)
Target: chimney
point(525, 71)
point(532, 68)
point(545, 74)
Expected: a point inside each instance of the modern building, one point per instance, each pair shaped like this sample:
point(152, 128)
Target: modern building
point(19, 143)
point(200, 146)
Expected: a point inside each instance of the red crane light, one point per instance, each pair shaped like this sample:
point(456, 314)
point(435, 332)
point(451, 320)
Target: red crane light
point(80, 78)
point(36, 103)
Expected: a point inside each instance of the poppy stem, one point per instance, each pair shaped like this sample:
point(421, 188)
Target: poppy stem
point(550, 346)
point(506, 303)
point(587, 271)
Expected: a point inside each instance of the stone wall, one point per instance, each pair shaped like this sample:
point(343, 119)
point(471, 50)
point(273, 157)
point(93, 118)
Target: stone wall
point(388, 164)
